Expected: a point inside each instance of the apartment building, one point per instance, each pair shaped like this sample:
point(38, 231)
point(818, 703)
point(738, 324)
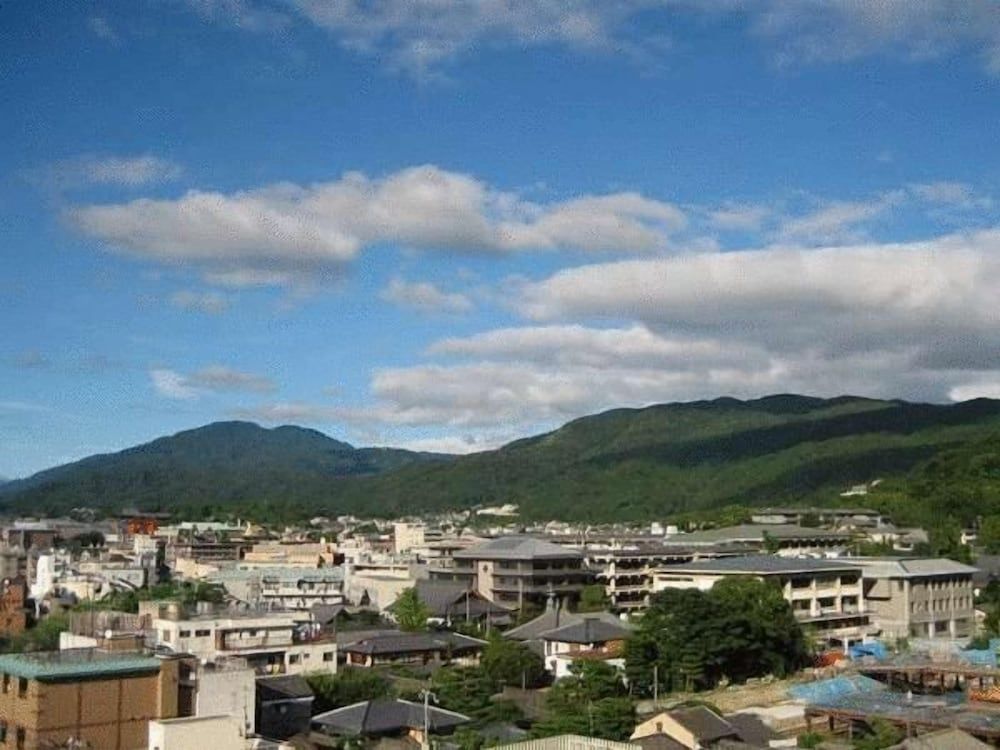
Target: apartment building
point(513, 570)
point(783, 539)
point(406, 536)
point(105, 699)
point(280, 587)
point(270, 642)
point(830, 516)
point(919, 597)
point(827, 595)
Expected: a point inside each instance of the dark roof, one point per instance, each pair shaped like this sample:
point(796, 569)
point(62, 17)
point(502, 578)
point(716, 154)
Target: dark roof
point(554, 618)
point(402, 643)
point(703, 723)
point(761, 565)
point(327, 613)
point(386, 716)
point(517, 548)
point(283, 687)
point(589, 630)
point(448, 599)
point(751, 729)
point(658, 741)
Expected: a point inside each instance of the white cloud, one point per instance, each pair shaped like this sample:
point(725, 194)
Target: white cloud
point(981, 389)
point(739, 217)
point(282, 233)
point(836, 221)
point(952, 194)
point(102, 28)
point(211, 303)
point(422, 36)
point(425, 297)
point(120, 171)
point(216, 378)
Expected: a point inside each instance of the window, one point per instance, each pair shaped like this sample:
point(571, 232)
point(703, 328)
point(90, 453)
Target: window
point(6, 682)
point(202, 633)
point(3, 732)
point(185, 634)
point(328, 656)
point(167, 636)
point(294, 659)
point(22, 687)
point(21, 737)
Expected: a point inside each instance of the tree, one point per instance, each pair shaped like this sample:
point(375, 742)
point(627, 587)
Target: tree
point(591, 701)
point(883, 735)
point(411, 613)
point(989, 534)
point(741, 628)
point(593, 598)
point(466, 690)
point(508, 662)
point(346, 687)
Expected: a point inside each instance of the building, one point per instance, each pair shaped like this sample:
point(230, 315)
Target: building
point(406, 536)
point(105, 699)
point(283, 587)
point(224, 687)
point(13, 614)
point(515, 570)
point(388, 718)
point(220, 732)
point(919, 597)
point(419, 649)
point(271, 642)
point(284, 706)
point(451, 601)
point(827, 595)
point(699, 727)
point(592, 638)
point(826, 516)
point(783, 539)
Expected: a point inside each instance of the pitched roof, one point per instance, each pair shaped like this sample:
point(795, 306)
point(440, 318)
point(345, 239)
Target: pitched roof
point(401, 643)
point(448, 598)
point(760, 565)
point(589, 630)
point(944, 739)
point(751, 729)
point(554, 618)
point(703, 723)
point(517, 548)
point(283, 687)
point(386, 716)
point(658, 741)
point(754, 532)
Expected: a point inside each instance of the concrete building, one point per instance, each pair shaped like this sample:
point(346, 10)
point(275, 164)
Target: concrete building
point(13, 614)
point(827, 595)
point(828, 516)
point(283, 587)
point(406, 536)
point(101, 698)
point(513, 570)
point(271, 642)
point(196, 733)
point(785, 539)
point(919, 597)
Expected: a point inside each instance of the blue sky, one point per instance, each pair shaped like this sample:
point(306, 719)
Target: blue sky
point(446, 225)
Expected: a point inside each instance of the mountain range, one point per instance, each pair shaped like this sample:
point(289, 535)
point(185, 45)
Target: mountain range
point(622, 464)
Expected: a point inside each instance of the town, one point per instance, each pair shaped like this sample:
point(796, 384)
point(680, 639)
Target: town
point(473, 629)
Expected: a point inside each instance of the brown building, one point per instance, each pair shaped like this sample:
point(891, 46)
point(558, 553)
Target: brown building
point(13, 615)
point(100, 699)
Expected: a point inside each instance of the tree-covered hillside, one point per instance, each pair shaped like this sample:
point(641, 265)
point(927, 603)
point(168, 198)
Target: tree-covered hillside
point(623, 464)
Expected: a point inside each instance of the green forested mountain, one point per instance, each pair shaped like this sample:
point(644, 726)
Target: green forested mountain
point(622, 464)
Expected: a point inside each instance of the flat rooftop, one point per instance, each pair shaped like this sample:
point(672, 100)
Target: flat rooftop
point(76, 664)
point(763, 565)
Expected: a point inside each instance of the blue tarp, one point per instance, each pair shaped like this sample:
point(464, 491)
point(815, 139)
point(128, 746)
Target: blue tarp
point(875, 649)
point(825, 691)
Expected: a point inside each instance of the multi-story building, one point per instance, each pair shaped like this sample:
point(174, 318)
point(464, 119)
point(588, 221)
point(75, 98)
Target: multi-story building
point(13, 614)
point(919, 597)
point(271, 642)
point(289, 588)
point(513, 570)
point(831, 516)
point(406, 536)
point(104, 699)
point(827, 595)
point(783, 539)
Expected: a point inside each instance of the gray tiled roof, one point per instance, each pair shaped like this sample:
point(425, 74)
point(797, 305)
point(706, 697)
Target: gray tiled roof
point(703, 723)
point(589, 630)
point(448, 599)
point(283, 686)
point(401, 643)
point(760, 565)
point(517, 548)
point(911, 567)
point(386, 716)
point(551, 619)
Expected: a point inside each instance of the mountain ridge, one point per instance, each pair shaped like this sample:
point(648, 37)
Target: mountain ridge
point(621, 464)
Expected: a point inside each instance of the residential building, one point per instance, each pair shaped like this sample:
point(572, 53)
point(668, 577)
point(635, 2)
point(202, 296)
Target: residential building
point(220, 732)
point(592, 639)
point(102, 698)
point(421, 649)
point(222, 687)
point(387, 717)
point(515, 570)
point(406, 536)
point(271, 642)
point(283, 587)
point(453, 601)
point(911, 597)
point(13, 613)
point(699, 727)
point(827, 595)
point(284, 706)
point(826, 516)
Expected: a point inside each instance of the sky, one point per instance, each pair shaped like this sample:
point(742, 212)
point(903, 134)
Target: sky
point(445, 225)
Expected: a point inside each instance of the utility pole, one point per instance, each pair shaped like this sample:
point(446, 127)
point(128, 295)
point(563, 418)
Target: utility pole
point(656, 684)
point(427, 695)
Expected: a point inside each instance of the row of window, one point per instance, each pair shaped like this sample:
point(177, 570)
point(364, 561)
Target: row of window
point(22, 685)
point(20, 735)
point(942, 605)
